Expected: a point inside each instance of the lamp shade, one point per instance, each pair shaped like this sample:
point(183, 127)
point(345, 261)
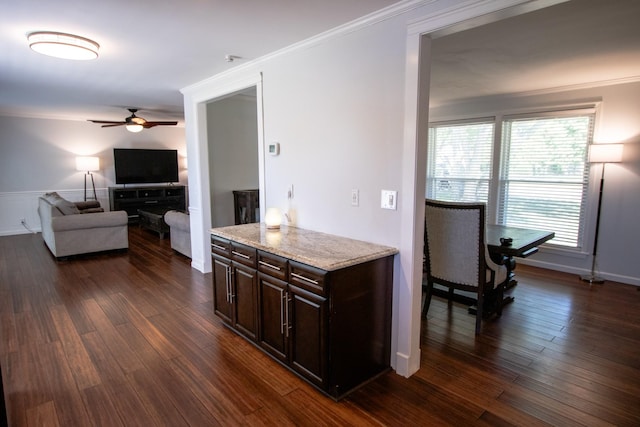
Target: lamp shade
point(88, 164)
point(605, 153)
point(273, 218)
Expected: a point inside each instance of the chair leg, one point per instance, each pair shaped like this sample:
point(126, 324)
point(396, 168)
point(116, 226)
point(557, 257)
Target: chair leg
point(479, 312)
point(499, 299)
point(427, 298)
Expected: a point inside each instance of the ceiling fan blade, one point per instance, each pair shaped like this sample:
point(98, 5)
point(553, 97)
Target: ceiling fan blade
point(107, 122)
point(133, 120)
point(152, 124)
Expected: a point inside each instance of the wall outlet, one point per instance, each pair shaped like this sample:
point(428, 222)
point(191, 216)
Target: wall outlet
point(355, 198)
point(388, 199)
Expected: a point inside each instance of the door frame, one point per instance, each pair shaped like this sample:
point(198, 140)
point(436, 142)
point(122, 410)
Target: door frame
point(196, 98)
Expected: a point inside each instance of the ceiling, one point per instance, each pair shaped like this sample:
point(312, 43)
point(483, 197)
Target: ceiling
point(149, 50)
point(572, 44)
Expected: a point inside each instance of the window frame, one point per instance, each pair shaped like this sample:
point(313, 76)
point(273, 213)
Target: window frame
point(496, 181)
point(431, 158)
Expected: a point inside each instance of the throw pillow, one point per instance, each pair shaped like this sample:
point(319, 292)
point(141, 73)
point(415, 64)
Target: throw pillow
point(91, 210)
point(87, 205)
point(64, 206)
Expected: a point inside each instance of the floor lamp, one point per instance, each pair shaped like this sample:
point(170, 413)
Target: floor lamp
point(88, 165)
point(601, 153)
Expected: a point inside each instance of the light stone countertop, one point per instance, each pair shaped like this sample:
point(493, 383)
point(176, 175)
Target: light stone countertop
point(324, 251)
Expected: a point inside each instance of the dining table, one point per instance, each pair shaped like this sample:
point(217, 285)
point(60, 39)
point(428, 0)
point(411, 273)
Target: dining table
point(505, 244)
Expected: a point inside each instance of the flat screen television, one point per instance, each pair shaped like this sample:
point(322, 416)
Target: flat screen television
point(145, 166)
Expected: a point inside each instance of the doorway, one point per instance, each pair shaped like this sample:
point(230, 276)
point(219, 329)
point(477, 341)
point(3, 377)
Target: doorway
point(232, 139)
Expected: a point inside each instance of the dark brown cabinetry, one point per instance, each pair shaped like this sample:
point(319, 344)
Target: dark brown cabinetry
point(332, 328)
point(131, 199)
point(292, 321)
point(235, 283)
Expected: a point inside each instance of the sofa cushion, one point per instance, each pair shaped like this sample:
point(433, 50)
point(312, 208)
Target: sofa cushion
point(64, 206)
point(96, 220)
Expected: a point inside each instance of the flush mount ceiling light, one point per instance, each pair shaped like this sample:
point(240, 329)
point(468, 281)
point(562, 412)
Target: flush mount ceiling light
point(61, 45)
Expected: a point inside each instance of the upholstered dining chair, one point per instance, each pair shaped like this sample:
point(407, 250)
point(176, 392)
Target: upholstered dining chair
point(456, 254)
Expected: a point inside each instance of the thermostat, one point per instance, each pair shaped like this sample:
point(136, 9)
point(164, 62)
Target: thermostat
point(274, 148)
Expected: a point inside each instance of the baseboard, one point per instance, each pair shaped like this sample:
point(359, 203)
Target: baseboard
point(635, 281)
point(406, 365)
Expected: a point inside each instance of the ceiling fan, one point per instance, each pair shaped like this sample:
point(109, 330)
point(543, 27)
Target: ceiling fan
point(133, 122)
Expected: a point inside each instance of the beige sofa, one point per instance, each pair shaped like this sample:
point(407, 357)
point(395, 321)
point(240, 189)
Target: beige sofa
point(180, 231)
point(68, 231)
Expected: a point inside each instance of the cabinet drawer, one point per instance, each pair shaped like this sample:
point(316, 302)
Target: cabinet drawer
point(273, 265)
point(170, 192)
point(221, 246)
point(244, 254)
point(150, 193)
point(125, 194)
point(306, 277)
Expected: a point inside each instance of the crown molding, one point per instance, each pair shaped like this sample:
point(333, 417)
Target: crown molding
point(540, 92)
point(350, 27)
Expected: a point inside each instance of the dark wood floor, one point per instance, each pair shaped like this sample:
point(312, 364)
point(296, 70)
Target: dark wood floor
point(129, 339)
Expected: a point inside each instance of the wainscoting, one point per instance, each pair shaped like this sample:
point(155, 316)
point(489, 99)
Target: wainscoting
point(17, 206)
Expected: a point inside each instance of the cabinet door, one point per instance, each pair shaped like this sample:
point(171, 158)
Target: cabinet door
point(308, 318)
point(221, 287)
point(245, 300)
point(273, 338)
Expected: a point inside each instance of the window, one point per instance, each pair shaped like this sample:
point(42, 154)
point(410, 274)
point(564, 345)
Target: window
point(460, 161)
point(543, 172)
point(544, 179)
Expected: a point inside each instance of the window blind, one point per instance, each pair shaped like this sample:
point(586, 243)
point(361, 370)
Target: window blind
point(460, 161)
point(544, 174)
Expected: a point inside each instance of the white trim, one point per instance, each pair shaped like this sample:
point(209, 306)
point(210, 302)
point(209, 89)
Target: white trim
point(18, 205)
point(555, 90)
point(408, 281)
point(473, 13)
point(408, 277)
point(195, 99)
point(629, 280)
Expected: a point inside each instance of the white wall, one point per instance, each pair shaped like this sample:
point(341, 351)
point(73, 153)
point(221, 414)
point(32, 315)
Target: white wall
point(616, 121)
point(339, 122)
point(232, 131)
point(38, 155)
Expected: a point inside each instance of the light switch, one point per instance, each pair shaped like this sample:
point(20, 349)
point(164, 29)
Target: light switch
point(355, 198)
point(389, 199)
point(273, 148)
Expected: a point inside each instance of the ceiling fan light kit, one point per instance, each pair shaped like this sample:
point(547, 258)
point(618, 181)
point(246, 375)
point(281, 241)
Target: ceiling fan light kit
point(134, 128)
point(62, 45)
point(133, 123)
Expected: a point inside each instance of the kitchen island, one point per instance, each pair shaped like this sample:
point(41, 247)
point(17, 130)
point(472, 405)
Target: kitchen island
point(317, 303)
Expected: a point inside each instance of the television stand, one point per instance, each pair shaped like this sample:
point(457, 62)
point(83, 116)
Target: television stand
point(131, 199)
